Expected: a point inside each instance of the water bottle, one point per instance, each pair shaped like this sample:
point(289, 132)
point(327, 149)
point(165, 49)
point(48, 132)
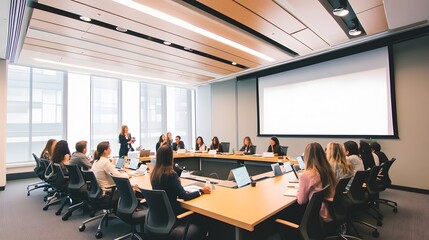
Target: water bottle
point(233, 151)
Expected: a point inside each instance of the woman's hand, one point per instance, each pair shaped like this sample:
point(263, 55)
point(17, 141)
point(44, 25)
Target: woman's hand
point(206, 190)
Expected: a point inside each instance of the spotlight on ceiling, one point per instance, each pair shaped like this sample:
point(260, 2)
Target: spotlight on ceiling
point(341, 11)
point(356, 31)
point(86, 19)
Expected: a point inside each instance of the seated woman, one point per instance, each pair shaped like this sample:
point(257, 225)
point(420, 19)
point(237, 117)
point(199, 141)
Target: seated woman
point(48, 151)
point(248, 147)
point(317, 174)
point(163, 177)
point(368, 157)
point(352, 156)
point(103, 168)
point(162, 140)
point(336, 156)
point(61, 155)
point(216, 145)
point(200, 146)
point(275, 146)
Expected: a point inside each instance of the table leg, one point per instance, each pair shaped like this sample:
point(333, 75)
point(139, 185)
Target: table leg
point(237, 233)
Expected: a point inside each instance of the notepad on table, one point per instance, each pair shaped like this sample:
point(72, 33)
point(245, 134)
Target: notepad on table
point(192, 188)
point(292, 192)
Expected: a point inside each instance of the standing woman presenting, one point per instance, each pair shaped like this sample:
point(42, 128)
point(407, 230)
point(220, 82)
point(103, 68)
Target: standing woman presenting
point(125, 140)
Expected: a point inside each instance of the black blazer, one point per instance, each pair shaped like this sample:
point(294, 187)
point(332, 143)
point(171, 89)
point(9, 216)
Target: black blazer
point(170, 183)
point(277, 150)
point(248, 149)
point(181, 145)
point(123, 150)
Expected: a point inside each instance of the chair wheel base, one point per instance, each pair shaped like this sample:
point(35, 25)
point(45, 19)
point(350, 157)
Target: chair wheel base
point(375, 234)
point(58, 213)
point(82, 228)
point(66, 216)
point(45, 208)
point(395, 210)
point(28, 193)
point(99, 235)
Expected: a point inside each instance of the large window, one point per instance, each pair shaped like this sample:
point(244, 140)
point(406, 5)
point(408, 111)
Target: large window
point(152, 114)
point(34, 111)
point(179, 114)
point(105, 112)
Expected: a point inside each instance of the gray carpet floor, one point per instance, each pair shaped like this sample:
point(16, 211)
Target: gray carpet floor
point(22, 217)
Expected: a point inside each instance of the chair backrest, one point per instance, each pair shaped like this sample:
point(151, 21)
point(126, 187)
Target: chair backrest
point(60, 179)
point(385, 172)
point(94, 189)
point(160, 218)
point(39, 170)
point(371, 182)
point(225, 146)
point(127, 203)
point(337, 208)
point(311, 226)
point(254, 148)
point(76, 182)
point(356, 190)
point(284, 149)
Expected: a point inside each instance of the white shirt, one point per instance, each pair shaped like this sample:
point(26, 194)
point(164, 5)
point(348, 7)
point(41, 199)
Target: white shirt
point(376, 160)
point(102, 169)
point(356, 162)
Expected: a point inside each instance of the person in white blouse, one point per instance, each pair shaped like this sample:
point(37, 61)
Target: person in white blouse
point(103, 168)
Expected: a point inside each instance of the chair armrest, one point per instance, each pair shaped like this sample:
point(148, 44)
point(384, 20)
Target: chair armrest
point(185, 214)
point(287, 223)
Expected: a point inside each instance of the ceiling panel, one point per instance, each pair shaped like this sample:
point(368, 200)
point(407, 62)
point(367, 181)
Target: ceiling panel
point(310, 39)
point(373, 20)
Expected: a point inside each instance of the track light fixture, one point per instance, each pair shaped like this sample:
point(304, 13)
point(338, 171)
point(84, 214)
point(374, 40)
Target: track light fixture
point(342, 10)
point(356, 31)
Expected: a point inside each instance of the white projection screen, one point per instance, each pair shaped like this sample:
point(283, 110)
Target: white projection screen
point(345, 97)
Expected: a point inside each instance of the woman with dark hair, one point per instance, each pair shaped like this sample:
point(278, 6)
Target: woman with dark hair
point(161, 141)
point(125, 140)
point(216, 145)
point(336, 156)
point(48, 151)
point(61, 155)
point(103, 168)
point(366, 155)
point(352, 156)
point(200, 146)
point(317, 174)
point(376, 149)
point(163, 177)
point(275, 146)
point(248, 147)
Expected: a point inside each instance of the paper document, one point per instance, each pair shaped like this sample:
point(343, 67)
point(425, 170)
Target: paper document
point(192, 188)
point(292, 192)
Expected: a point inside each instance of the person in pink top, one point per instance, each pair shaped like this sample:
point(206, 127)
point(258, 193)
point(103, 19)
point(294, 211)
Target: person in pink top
point(317, 174)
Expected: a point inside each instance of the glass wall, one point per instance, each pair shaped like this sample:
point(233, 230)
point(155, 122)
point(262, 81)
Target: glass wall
point(153, 122)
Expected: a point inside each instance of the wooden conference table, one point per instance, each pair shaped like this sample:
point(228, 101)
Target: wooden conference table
point(243, 208)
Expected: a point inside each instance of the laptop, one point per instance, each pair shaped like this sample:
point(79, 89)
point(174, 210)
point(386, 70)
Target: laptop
point(276, 169)
point(301, 163)
point(239, 175)
point(134, 164)
point(144, 153)
point(133, 154)
point(288, 167)
point(120, 163)
point(296, 180)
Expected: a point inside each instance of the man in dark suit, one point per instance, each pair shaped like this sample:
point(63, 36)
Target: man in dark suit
point(178, 144)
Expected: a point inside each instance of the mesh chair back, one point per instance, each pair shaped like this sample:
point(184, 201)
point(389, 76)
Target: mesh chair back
point(94, 189)
point(160, 218)
point(225, 146)
point(60, 179)
point(337, 208)
point(311, 226)
point(385, 172)
point(371, 183)
point(39, 170)
point(356, 191)
point(77, 184)
point(127, 199)
point(284, 149)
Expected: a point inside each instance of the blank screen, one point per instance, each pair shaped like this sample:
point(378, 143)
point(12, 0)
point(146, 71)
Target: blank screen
point(349, 96)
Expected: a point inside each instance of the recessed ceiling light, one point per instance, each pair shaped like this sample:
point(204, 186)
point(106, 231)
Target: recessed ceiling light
point(86, 19)
point(121, 29)
point(167, 43)
point(234, 63)
point(355, 32)
point(181, 23)
point(342, 10)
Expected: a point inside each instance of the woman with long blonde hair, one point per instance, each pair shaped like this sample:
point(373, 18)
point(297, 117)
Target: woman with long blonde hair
point(336, 156)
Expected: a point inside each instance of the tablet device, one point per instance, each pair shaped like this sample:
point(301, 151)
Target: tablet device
point(241, 176)
point(134, 164)
point(120, 163)
point(276, 169)
point(287, 166)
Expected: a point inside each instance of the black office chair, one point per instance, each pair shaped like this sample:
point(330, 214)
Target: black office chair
point(284, 150)
point(357, 200)
point(311, 226)
point(225, 146)
point(39, 170)
point(374, 188)
point(77, 190)
point(59, 182)
point(99, 200)
point(128, 209)
point(338, 211)
point(385, 180)
point(160, 219)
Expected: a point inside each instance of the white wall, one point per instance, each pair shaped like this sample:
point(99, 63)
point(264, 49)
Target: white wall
point(411, 68)
point(3, 119)
point(203, 114)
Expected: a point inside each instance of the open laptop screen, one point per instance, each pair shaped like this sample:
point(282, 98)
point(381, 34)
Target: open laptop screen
point(287, 166)
point(301, 162)
point(134, 164)
point(241, 176)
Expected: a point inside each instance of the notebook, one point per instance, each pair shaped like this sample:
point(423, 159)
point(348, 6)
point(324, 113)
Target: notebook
point(120, 163)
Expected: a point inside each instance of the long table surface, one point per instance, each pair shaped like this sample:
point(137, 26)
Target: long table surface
point(243, 207)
